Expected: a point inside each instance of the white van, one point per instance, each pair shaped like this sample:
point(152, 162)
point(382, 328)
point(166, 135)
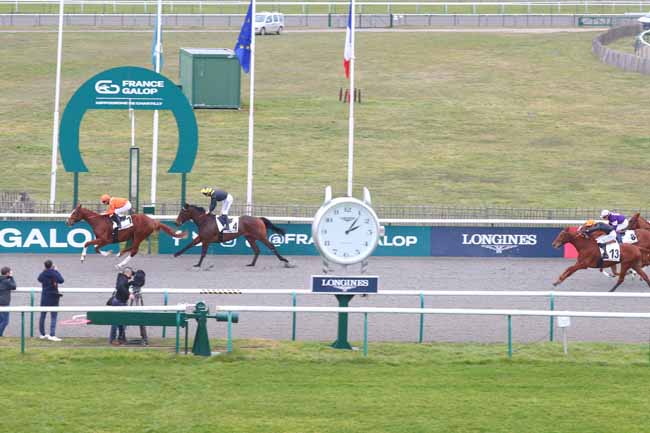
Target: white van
point(269, 22)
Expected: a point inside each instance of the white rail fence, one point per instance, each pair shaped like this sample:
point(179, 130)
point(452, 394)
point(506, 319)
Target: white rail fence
point(550, 296)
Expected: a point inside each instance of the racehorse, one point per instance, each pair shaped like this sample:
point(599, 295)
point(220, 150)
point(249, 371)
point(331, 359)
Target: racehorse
point(589, 257)
point(252, 228)
point(637, 222)
point(102, 226)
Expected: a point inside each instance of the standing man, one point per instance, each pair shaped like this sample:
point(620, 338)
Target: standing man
point(120, 298)
point(117, 207)
point(50, 279)
point(218, 195)
point(7, 284)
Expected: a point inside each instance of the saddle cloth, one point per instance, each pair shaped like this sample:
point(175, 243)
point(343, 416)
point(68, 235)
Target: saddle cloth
point(233, 225)
point(613, 252)
point(629, 237)
point(125, 222)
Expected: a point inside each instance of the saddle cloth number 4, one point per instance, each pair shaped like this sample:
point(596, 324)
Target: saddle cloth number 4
point(233, 227)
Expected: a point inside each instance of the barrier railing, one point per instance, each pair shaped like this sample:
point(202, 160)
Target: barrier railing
point(231, 309)
point(179, 308)
point(551, 296)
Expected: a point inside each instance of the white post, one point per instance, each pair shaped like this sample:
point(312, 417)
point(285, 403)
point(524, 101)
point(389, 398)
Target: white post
point(351, 118)
point(57, 97)
point(154, 152)
point(132, 117)
point(251, 115)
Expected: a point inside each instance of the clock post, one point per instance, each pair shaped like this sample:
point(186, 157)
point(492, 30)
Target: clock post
point(346, 231)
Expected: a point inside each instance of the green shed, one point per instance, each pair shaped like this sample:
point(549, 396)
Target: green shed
point(210, 77)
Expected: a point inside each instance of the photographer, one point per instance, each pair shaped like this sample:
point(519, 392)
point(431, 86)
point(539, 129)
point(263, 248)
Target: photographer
point(136, 299)
point(7, 284)
point(50, 279)
point(120, 297)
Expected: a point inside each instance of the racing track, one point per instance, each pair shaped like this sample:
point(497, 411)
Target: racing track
point(230, 272)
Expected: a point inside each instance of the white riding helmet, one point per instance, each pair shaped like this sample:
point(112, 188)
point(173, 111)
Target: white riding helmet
point(604, 213)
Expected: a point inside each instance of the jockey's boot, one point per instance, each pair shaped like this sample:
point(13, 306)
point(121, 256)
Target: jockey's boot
point(116, 219)
point(224, 221)
point(604, 251)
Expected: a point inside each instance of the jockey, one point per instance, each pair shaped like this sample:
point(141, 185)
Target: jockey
point(602, 240)
point(616, 220)
point(117, 207)
point(218, 195)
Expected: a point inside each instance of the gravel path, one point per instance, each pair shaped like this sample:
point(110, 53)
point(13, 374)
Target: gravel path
point(230, 272)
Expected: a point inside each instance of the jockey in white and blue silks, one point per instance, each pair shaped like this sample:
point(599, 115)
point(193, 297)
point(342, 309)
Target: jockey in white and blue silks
point(616, 220)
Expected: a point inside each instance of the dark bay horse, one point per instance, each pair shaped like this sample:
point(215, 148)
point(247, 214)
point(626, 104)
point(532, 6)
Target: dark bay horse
point(589, 257)
point(102, 226)
point(252, 228)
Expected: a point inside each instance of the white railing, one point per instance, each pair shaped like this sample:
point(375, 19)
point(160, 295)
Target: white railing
point(111, 3)
point(422, 221)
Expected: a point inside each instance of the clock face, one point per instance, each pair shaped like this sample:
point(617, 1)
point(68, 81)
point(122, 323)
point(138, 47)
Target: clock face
point(346, 231)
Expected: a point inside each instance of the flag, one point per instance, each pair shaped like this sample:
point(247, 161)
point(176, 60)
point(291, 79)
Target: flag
point(347, 54)
point(156, 45)
point(243, 47)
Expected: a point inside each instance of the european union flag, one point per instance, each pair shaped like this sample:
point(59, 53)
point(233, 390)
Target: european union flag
point(243, 47)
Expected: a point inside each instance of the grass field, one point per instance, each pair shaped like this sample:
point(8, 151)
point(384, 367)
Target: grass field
point(468, 119)
point(307, 387)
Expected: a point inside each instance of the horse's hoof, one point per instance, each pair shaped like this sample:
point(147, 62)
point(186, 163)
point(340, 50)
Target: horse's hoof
point(250, 264)
point(176, 254)
point(289, 265)
point(106, 253)
point(196, 266)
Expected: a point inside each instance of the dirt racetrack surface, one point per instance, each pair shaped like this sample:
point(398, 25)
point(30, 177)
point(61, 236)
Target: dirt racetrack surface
point(230, 272)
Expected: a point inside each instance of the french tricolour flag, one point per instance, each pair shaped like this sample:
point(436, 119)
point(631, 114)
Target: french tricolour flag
point(347, 54)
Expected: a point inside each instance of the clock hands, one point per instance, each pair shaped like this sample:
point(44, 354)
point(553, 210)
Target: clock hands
point(352, 226)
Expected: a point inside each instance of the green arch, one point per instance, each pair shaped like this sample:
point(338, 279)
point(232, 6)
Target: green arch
point(120, 89)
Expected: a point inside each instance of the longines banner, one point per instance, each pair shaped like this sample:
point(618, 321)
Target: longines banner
point(494, 242)
point(407, 241)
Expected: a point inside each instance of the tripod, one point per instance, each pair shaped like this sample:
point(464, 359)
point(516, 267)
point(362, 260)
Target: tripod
point(137, 301)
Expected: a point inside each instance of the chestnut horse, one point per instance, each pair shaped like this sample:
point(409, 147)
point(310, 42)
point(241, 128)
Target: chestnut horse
point(637, 222)
point(252, 228)
point(589, 257)
point(102, 226)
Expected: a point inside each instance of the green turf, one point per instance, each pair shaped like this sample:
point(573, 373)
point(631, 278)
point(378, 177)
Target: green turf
point(307, 387)
point(467, 119)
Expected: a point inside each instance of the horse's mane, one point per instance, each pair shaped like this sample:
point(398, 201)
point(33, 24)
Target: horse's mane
point(199, 208)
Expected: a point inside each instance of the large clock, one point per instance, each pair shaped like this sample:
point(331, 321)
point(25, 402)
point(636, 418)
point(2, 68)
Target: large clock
point(346, 230)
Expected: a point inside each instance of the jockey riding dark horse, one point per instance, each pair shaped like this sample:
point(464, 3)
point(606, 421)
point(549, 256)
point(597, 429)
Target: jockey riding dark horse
point(218, 195)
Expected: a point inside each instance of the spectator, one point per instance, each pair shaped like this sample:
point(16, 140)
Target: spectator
point(50, 279)
point(7, 284)
point(120, 298)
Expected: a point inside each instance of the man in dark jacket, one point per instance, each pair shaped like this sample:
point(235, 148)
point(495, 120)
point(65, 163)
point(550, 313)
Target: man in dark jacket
point(7, 284)
point(120, 298)
point(50, 279)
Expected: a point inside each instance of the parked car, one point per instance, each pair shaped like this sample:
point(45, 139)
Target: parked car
point(269, 22)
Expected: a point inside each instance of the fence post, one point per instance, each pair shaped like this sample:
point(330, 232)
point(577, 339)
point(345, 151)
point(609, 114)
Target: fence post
point(509, 337)
point(329, 20)
point(165, 299)
point(31, 314)
point(22, 332)
point(178, 331)
point(293, 317)
point(229, 346)
point(365, 334)
point(421, 337)
point(552, 319)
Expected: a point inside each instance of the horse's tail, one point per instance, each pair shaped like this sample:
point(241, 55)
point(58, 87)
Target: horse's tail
point(270, 225)
point(170, 232)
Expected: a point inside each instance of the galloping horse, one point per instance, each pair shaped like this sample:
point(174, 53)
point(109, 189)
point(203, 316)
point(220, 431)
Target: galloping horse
point(589, 257)
point(252, 228)
point(102, 226)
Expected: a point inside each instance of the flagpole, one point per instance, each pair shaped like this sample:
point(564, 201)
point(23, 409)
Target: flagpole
point(154, 152)
point(251, 120)
point(57, 97)
point(351, 117)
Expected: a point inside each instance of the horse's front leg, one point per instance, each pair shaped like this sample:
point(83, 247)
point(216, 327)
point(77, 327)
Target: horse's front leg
point(204, 251)
point(194, 242)
point(86, 245)
point(568, 272)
